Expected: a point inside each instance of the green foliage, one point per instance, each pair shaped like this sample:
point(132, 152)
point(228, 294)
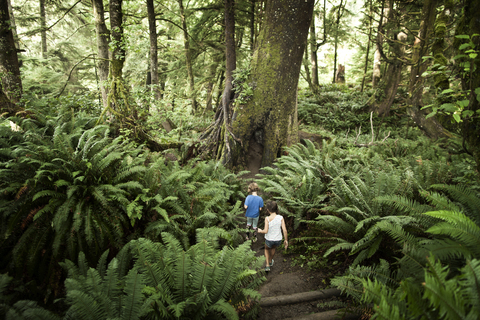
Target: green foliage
point(458, 99)
point(297, 182)
point(333, 109)
point(21, 309)
point(201, 194)
point(421, 286)
point(165, 282)
point(68, 189)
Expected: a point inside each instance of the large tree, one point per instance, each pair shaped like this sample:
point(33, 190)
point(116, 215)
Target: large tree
point(430, 126)
point(11, 84)
point(268, 114)
point(103, 39)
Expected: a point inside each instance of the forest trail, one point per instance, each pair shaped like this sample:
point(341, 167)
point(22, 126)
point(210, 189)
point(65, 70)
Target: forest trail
point(286, 281)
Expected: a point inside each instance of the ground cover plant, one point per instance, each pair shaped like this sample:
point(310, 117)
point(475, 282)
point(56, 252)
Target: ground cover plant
point(126, 129)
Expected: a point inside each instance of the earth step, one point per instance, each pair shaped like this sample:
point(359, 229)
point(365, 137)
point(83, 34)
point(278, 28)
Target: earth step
point(299, 297)
point(327, 315)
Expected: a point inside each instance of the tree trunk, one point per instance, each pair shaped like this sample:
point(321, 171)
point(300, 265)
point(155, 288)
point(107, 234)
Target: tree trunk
point(152, 26)
point(11, 82)
point(377, 70)
point(420, 48)
point(313, 56)
point(340, 11)
point(382, 99)
point(103, 39)
point(252, 25)
point(43, 27)
point(271, 113)
point(370, 28)
point(306, 66)
point(188, 59)
point(118, 47)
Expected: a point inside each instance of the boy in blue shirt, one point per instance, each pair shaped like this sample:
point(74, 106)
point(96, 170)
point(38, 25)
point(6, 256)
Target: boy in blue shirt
point(253, 205)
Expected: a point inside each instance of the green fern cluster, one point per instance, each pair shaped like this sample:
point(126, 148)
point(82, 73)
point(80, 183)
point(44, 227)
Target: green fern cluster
point(197, 195)
point(297, 181)
point(20, 309)
point(65, 187)
point(438, 273)
point(165, 282)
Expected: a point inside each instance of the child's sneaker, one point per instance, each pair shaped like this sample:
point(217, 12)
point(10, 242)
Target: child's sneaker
point(267, 269)
point(271, 263)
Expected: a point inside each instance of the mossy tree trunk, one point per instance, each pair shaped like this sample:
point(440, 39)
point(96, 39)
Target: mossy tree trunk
point(103, 38)
point(11, 83)
point(377, 70)
point(430, 126)
point(152, 26)
point(270, 114)
point(385, 92)
point(43, 28)
point(188, 58)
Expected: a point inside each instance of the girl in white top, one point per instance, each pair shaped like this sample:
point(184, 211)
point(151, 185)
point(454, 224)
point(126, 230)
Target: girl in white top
point(274, 225)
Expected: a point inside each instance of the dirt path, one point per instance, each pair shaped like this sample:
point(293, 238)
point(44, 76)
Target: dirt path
point(284, 278)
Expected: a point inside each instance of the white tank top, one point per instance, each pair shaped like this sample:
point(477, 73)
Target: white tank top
point(275, 229)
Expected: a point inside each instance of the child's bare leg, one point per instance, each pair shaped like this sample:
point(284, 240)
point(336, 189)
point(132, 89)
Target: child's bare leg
point(272, 253)
point(268, 256)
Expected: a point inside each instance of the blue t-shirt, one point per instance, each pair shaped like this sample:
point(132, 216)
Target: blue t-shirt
point(254, 203)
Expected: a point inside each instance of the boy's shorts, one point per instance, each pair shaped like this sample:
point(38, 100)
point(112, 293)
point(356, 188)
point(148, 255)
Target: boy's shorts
point(252, 222)
point(272, 244)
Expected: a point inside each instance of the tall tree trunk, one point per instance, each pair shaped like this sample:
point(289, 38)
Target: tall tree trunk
point(188, 58)
point(271, 113)
point(313, 56)
point(370, 29)
point(382, 99)
point(43, 27)
point(420, 48)
point(103, 39)
point(230, 66)
point(252, 25)
point(306, 66)
point(377, 65)
point(118, 47)
point(11, 82)
point(152, 26)
point(340, 11)
point(14, 26)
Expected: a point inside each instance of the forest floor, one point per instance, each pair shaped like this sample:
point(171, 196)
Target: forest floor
point(286, 278)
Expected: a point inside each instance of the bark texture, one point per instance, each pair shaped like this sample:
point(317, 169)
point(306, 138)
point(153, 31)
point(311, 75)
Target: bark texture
point(43, 27)
point(386, 90)
point(152, 26)
point(188, 58)
point(270, 115)
point(9, 67)
point(103, 38)
point(430, 126)
point(118, 51)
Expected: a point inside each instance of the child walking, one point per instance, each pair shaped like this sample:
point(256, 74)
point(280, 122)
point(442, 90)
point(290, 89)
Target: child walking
point(253, 205)
point(274, 225)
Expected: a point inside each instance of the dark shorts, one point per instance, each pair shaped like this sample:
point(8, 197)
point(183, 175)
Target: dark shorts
point(272, 244)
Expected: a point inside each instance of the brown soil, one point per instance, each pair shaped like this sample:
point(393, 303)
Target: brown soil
point(284, 278)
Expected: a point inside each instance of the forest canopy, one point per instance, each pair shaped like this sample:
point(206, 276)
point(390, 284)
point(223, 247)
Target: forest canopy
point(129, 130)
